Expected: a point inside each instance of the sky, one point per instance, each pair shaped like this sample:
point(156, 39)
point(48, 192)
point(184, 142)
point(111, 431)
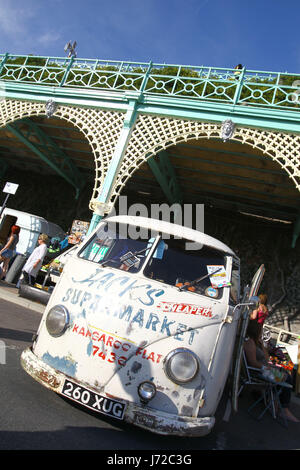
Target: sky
point(260, 34)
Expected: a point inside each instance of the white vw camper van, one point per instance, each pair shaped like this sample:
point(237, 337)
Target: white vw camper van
point(142, 325)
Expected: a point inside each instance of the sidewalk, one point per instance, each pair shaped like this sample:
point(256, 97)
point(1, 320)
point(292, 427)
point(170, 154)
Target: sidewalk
point(9, 292)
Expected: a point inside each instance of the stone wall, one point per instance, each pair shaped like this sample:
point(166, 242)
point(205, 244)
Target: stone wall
point(258, 242)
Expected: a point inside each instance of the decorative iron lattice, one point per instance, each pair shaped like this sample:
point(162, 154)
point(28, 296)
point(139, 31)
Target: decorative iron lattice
point(153, 134)
point(225, 85)
point(101, 128)
point(150, 135)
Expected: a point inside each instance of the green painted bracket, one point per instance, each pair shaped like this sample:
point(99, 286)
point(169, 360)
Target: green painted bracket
point(296, 231)
point(49, 152)
point(166, 177)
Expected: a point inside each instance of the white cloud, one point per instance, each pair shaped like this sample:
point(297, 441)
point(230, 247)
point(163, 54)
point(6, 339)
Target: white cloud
point(27, 27)
point(15, 18)
point(49, 38)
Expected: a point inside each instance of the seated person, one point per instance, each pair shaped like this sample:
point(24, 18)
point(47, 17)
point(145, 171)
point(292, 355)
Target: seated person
point(257, 356)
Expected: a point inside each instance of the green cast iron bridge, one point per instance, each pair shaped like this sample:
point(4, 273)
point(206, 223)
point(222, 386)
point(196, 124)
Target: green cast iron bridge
point(160, 132)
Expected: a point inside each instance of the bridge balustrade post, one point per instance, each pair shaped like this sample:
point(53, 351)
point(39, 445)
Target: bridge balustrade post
point(67, 71)
point(239, 86)
point(4, 60)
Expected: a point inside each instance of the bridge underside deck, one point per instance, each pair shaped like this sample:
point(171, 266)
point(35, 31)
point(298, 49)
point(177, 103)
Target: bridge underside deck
point(226, 175)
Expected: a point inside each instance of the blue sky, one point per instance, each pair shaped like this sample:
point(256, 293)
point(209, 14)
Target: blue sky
point(260, 34)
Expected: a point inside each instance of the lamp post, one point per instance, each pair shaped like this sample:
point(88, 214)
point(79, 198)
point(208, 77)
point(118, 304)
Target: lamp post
point(71, 48)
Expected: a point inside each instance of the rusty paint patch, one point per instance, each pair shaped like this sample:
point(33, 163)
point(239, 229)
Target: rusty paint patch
point(112, 396)
point(49, 379)
point(145, 420)
point(201, 402)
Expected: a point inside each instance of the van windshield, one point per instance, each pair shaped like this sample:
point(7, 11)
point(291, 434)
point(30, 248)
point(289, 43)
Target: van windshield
point(190, 270)
point(113, 246)
point(202, 270)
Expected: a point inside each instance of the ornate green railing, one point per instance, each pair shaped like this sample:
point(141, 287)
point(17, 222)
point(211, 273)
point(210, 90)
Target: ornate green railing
point(243, 87)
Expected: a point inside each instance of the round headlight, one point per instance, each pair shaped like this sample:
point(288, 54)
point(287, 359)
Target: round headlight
point(57, 320)
point(181, 365)
point(146, 391)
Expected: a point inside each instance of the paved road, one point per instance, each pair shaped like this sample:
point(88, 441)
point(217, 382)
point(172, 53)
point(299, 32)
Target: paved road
point(32, 417)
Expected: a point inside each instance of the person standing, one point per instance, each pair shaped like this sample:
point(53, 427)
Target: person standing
point(238, 69)
point(35, 260)
point(9, 248)
point(260, 314)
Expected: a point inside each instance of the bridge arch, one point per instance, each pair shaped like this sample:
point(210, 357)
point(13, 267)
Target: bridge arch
point(153, 134)
point(150, 135)
point(101, 128)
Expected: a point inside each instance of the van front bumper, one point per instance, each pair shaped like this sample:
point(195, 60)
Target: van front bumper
point(140, 415)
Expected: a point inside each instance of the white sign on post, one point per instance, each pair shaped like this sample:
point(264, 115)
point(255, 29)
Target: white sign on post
point(10, 188)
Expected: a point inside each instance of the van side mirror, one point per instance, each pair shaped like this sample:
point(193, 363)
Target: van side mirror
point(253, 302)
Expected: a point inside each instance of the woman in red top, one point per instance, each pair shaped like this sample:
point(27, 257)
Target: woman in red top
point(7, 252)
point(261, 313)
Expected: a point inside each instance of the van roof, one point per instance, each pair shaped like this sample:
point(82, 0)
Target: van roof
point(34, 222)
point(172, 229)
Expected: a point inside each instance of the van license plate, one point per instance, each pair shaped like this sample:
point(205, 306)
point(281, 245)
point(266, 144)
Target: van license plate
point(92, 400)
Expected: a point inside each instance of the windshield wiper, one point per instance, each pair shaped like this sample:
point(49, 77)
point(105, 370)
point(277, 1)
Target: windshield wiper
point(195, 281)
point(131, 254)
point(125, 257)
